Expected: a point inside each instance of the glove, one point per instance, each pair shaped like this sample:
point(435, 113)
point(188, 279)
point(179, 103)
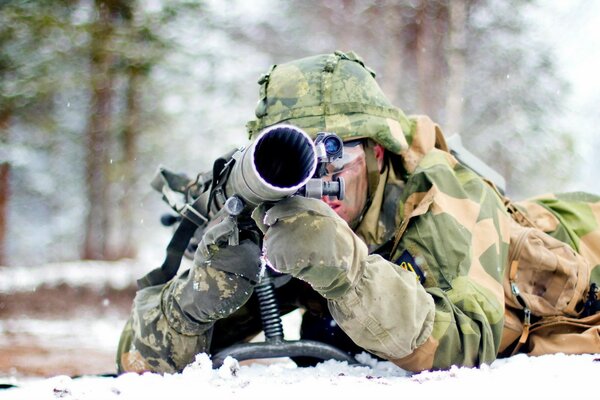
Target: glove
point(242, 260)
point(305, 238)
point(213, 250)
point(219, 283)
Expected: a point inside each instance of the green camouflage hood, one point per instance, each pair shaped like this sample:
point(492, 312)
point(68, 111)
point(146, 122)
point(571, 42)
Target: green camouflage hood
point(330, 92)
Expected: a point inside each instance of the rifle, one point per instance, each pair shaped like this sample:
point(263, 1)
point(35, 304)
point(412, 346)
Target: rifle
point(283, 161)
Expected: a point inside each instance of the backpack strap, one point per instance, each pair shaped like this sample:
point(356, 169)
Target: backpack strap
point(592, 303)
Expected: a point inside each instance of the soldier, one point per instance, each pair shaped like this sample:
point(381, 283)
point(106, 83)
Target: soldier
point(424, 263)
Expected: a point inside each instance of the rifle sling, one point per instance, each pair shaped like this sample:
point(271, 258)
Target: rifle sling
point(191, 220)
point(175, 250)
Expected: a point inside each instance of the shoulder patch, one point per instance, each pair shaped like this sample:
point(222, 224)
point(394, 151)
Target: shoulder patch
point(408, 263)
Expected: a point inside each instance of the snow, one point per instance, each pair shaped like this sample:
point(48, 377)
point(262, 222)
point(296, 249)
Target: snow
point(94, 274)
point(83, 333)
point(553, 376)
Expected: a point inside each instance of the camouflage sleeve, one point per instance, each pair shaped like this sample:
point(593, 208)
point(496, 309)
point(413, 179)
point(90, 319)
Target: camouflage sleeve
point(455, 229)
point(378, 304)
point(171, 323)
point(386, 310)
point(150, 343)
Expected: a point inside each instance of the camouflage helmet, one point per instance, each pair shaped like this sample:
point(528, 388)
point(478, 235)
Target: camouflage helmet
point(330, 92)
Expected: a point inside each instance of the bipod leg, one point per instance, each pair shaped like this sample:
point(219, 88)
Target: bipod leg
point(275, 346)
point(282, 348)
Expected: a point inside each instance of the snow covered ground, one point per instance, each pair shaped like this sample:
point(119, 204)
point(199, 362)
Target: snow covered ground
point(93, 274)
point(556, 376)
point(63, 318)
point(553, 377)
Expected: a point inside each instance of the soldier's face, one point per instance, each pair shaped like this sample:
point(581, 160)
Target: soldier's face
point(354, 172)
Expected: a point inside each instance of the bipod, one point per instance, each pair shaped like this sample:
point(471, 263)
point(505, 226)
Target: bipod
point(275, 345)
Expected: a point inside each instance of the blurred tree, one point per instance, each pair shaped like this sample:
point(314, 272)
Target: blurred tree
point(457, 62)
point(135, 77)
point(4, 195)
point(123, 50)
point(140, 51)
point(472, 65)
point(33, 47)
point(4, 186)
point(47, 95)
point(102, 62)
point(95, 93)
point(512, 96)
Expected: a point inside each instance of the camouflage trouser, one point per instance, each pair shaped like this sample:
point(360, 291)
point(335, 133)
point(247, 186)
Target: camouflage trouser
point(149, 342)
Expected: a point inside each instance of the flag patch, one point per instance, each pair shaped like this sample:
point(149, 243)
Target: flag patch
point(408, 263)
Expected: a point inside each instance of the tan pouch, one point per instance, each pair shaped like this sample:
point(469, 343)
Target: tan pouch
point(550, 335)
point(544, 275)
point(513, 330)
point(565, 335)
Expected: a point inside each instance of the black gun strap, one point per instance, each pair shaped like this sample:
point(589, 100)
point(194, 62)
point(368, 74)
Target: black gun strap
point(191, 220)
point(175, 250)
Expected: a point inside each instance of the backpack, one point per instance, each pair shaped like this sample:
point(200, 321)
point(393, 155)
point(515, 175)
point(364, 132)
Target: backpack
point(552, 304)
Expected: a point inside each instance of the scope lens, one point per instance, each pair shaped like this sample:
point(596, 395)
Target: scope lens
point(333, 144)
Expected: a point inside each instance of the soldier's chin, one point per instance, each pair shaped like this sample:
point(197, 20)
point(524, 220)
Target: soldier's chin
point(336, 207)
point(343, 213)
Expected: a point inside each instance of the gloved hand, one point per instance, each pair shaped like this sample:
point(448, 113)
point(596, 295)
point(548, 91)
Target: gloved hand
point(221, 280)
point(305, 238)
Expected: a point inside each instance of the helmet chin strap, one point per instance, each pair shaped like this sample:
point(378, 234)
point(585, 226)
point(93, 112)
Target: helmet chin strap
point(373, 172)
point(373, 175)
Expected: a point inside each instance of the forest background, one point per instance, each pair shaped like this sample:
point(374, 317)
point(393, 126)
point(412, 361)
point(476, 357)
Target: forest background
point(96, 94)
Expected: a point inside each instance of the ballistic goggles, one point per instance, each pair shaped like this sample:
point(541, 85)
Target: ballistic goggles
point(347, 160)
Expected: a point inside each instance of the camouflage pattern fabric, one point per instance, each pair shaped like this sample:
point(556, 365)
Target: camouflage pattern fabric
point(456, 228)
point(152, 342)
point(333, 93)
point(573, 218)
point(418, 281)
point(356, 283)
point(452, 226)
point(172, 323)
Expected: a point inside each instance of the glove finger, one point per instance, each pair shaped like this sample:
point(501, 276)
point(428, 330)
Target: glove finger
point(295, 205)
point(242, 260)
point(219, 232)
point(258, 215)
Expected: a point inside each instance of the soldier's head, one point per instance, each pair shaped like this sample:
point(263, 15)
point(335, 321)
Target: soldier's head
point(336, 93)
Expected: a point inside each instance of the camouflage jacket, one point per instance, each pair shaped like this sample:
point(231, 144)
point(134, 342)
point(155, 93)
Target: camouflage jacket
point(422, 285)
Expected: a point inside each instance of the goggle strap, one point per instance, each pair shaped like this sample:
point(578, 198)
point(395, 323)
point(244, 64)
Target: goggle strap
point(372, 167)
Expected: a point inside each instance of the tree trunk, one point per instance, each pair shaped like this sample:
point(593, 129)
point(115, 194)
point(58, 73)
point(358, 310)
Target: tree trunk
point(98, 134)
point(431, 20)
point(457, 45)
point(393, 67)
point(127, 246)
point(4, 189)
point(424, 60)
point(4, 196)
